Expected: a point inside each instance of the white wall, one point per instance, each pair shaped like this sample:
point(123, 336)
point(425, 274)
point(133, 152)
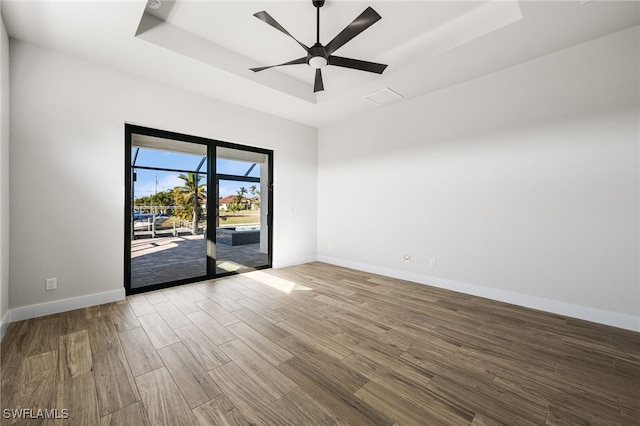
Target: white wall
point(67, 172)
point(4, 177)
point(522, 184)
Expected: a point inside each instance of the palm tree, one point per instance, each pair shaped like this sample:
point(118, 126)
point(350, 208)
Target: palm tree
point(255, 192)
point(242, 193)
point(193, 193)
point(239, 200)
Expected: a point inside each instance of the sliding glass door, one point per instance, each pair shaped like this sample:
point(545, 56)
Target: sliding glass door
point(195, 209)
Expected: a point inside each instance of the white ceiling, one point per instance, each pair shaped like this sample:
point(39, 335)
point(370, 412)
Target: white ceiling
point(207, 46)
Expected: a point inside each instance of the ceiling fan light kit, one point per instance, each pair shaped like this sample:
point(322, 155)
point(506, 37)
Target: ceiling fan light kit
point(318, 56)
point(318, 62)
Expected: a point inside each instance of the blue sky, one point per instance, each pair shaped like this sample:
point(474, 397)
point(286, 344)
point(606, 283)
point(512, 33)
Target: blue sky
point(148, 181)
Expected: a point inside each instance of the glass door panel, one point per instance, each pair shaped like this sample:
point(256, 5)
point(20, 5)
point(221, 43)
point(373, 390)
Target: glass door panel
point(168, 211)
point(242, 194)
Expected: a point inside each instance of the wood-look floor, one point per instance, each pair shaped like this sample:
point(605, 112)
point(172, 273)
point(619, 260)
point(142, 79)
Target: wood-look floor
point(318, 344)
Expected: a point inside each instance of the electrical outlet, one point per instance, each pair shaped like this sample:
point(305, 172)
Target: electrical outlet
point(432, 262)
point(407, 258)
point(51, 284)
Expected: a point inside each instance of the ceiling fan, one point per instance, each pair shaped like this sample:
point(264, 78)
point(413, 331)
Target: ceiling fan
point(319, 56)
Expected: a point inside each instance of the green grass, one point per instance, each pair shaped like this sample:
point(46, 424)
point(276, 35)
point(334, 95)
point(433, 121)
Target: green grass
point(240, 218)
point(226, 218)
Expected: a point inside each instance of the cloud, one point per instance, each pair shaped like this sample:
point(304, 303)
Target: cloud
point(169, 182)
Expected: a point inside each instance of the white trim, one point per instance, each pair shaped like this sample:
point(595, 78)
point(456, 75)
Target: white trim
point(4, 323)
point(615, 319)
point(57, 306)
point(278, 264)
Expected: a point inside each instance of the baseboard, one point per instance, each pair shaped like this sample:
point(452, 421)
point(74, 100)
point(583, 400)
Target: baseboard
point(4, 323)
point(628, 322)
point(63, 305)
point(278, 264)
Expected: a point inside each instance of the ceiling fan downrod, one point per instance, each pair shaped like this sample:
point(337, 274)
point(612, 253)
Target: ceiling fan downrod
point(318, 4)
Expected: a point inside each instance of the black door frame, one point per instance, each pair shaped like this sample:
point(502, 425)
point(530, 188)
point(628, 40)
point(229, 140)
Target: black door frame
point(212, 202)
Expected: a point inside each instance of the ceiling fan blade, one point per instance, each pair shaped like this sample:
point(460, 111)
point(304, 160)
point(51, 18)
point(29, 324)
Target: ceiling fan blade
point(265, 17)
point(357, 64)
point(294, 62)
point(318, 86)
point(361, 23)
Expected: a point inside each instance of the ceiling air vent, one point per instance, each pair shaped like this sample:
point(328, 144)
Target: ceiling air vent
point(383, 96)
